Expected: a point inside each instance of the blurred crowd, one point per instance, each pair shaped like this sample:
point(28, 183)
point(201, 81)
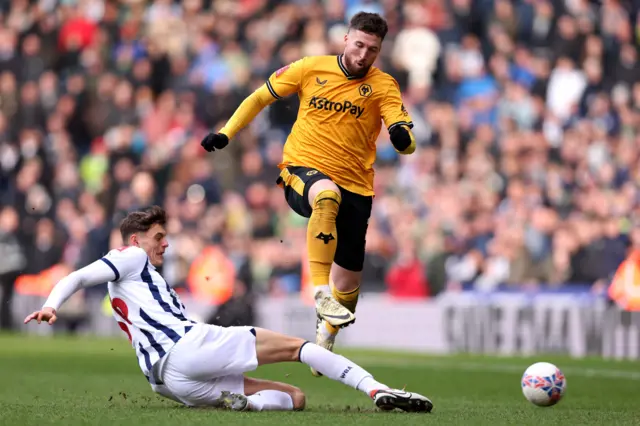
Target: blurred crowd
point(527, 115)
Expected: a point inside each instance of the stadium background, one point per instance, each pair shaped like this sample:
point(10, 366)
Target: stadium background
point(521, 199)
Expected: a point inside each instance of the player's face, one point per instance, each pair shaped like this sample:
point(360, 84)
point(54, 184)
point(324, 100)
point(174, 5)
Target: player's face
point(360, 51)
point(154, 242)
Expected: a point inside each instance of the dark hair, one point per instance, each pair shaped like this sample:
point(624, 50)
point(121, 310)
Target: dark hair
point(370, 23)
point(142, 221)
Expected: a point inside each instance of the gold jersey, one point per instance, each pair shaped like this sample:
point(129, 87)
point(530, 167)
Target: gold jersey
point(339, 118)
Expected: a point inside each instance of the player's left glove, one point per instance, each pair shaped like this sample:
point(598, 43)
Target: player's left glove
point(402, 139)
point(214, 141)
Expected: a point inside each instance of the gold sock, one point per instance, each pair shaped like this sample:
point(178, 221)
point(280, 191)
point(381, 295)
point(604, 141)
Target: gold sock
point(322, 238)
point(348, 299)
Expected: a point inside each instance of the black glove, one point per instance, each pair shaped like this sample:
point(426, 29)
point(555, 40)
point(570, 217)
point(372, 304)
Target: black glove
point(400, 138)
point(214, 141)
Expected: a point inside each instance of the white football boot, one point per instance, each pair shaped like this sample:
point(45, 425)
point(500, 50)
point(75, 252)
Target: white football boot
point(324, 339)
point(330, 310)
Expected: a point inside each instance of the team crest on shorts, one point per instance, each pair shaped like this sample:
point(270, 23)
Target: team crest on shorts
point(311, 172)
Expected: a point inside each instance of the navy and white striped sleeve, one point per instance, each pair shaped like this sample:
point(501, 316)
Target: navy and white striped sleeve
point(125, 261)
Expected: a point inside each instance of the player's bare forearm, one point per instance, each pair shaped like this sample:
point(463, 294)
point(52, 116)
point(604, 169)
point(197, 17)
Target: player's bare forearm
point(247, 111)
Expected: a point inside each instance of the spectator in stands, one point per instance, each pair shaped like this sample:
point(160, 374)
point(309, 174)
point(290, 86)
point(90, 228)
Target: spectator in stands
point(13, 263)
point(527, 116)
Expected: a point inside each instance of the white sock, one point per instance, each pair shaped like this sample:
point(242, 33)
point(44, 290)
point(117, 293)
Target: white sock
point(369, 384)
point(271, 400)
point(326, 289)
point(338, 368)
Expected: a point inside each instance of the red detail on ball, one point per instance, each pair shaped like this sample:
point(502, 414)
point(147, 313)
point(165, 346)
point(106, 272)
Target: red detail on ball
point(541, 382)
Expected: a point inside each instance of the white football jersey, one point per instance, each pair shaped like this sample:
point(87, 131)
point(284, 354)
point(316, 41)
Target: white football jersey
point(146, 308)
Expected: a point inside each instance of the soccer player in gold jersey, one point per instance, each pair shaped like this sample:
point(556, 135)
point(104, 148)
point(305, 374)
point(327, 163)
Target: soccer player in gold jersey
point(327, 169)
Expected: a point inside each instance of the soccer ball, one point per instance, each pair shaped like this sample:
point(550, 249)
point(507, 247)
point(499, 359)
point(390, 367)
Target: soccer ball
point(543, 384)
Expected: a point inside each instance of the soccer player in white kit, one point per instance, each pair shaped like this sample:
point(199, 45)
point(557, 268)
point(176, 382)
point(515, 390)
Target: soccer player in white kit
point(199, 364)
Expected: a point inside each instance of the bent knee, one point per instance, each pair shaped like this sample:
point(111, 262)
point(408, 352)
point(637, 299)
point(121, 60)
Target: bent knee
point(324, 190)
point(327, 200)
point(299, 399)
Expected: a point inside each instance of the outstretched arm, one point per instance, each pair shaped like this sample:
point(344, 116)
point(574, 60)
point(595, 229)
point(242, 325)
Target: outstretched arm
point(247, 111)
point(96, 273)
point(282, 83)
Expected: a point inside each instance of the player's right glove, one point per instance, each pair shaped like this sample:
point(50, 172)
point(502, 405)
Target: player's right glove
point(214, 141)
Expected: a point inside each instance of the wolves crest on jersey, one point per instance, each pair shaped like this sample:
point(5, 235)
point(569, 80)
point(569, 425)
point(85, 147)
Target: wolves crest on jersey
point(146, 308)
point(345, 115)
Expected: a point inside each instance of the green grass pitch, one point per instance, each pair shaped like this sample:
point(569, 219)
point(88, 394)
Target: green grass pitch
point(80, 380)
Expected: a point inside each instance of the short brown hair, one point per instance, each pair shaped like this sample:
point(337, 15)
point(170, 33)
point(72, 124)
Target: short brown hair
point(370, 23)
point(142, 221)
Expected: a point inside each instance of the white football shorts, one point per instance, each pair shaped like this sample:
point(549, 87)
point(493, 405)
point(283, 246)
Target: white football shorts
point(208, 360)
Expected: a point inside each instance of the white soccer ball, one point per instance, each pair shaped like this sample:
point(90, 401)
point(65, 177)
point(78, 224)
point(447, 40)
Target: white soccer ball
point(543, 384)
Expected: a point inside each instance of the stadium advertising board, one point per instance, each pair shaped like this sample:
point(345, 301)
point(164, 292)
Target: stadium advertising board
point(578, 325)
point(517, 324)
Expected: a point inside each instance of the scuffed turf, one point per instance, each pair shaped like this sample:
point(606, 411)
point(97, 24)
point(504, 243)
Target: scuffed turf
point(69, 381)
